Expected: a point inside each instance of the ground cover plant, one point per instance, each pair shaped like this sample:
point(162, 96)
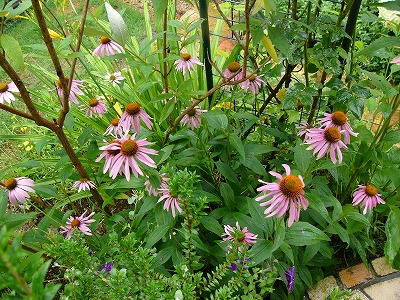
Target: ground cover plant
point(163, 167)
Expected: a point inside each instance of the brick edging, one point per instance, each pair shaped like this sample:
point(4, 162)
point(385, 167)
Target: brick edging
point(357, 278)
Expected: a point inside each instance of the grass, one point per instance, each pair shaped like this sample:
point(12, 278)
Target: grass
point(26, 33)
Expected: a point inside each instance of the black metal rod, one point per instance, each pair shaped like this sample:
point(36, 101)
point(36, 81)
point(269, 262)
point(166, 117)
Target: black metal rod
point(203, 10)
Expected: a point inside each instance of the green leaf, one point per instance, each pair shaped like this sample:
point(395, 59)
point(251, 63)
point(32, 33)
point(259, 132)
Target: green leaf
point(66, 172)
point(341, 232)
point(343, 96)
point(392, 229)
point(15, 220)
point(159, 7)
point(217, 119)
point(211, 224)
point(156, 235)
point(13, 51)
point(357, 107)
point(302, 157)
point(302, 234)
point(279, 41)
point(118, 26)
point(310, 252)
point(393, 137)
point(236, 143)
point(382, 42)
point(381, 83)
point(227, 172)
point(195, 25)
point(261, 251)
point(46, 190)
point(166, 111)
point(228, 195)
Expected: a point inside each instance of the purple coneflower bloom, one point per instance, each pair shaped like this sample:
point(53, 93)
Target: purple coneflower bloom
point(242, 236)
point(75, 89)
point(303, 129)
point(107, 266)
point(115, 78)
point(339, 120)
point(171, 198)
point(127, 154)
point(109, 154)
point(290, 273)
point(367, 196)
point(81, 223)
point(132, 116)
point(150, 189)
point(114, 129)
point(186, 63)
point(288, 193)
point(96, 107)
point(396, 61)
point(107, 46)
point(232, 69)
point(83, 184)
point(18, 188)
point(5, 92)
point(192, 118)
point(322, 140)
point(253, 84)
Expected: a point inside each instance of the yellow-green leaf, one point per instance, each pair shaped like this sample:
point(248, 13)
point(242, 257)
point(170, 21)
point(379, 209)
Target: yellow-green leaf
point(13, 51)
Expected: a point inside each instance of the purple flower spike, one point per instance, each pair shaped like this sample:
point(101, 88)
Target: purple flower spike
point(234, 267)
point(107, 266)
point(290, 273)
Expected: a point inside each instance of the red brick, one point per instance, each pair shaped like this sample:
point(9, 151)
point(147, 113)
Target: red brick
point(355, 275)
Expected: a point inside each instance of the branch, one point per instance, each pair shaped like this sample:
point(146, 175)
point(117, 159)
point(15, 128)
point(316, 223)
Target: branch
point(24, 95)
point(16, 112)
point(53, 55)
point(65, 108)
point(237, 37)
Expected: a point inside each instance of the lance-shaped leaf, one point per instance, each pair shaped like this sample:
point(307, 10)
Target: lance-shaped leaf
point(13, 51)
point(118, 26)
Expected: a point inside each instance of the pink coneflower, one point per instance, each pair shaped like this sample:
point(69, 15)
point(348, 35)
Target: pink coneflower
point(192, 118)
point(322, 140)
point(243, 237)
point(172, 199)
point(303, 129)
point(75, 89)
point(253, 83)
point(152, 190)
point(339, 120)
point(83, 184)
point(109, 154)
point(18, 188)
point(115, 78)
point(288, 193)
point(5, 92)
point(129, 153)
point(107, 46)
point(96, 107)
point(367, 196)
point(81, 223)
point(232, 69)
point(186, 63)
point(396, 61)
point(132, 116)
point(114, 129)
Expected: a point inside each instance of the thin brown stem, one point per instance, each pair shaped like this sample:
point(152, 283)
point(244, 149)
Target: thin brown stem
point(24, 94)
point(16, 111)
point(224, 17)
point(65, 108)
point(52, 52)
